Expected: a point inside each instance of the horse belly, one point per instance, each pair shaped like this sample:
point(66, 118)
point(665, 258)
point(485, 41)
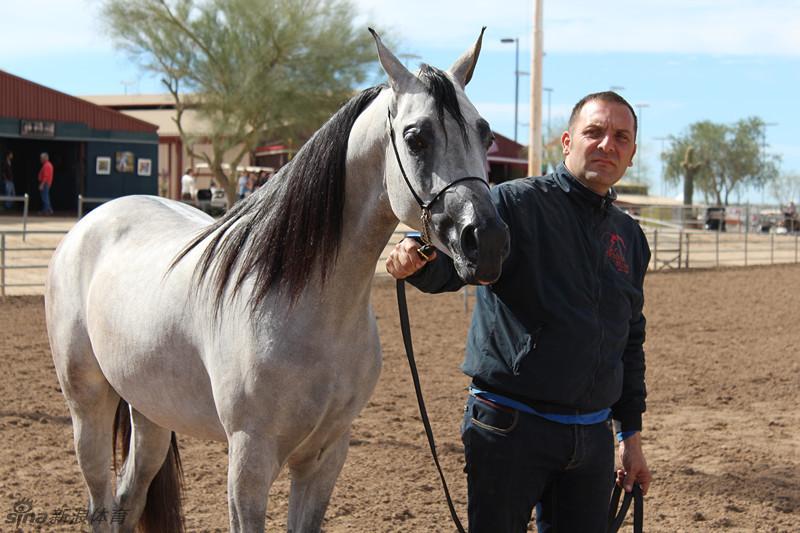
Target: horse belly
point(148, 353)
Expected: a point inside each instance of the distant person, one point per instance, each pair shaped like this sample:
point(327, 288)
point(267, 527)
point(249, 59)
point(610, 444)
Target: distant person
point(46, 182)
point(251, 182)
point(188, 185)
point(263, 176)
point(8, 178)
point(241, 186)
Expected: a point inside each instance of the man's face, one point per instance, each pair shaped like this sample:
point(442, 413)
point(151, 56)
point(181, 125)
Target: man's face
point(599, 146)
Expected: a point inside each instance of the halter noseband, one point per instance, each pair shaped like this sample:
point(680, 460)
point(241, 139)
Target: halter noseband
point(425, 217)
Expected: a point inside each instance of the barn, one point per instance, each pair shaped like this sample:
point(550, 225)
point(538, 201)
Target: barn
point(95, 151)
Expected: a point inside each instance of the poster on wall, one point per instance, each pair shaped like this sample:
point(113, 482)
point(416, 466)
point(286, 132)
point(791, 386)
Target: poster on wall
point(144, 167)
point(103, 165)
point(125, 162)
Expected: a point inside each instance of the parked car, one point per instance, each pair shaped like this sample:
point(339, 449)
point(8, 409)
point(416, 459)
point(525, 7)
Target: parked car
point(715, 219)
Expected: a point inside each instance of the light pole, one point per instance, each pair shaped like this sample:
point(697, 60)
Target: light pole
point(663, 166)
point(515, 40)
point(639, 108)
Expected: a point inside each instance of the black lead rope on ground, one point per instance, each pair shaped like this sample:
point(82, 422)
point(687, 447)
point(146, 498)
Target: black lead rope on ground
point(615, 518)
point(405, 327)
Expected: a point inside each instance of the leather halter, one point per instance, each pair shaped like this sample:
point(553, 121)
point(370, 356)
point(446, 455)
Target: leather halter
point(425, 217)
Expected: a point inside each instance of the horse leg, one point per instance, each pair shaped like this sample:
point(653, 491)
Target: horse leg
point(149, 446)
point(253, 465)
point(92, 408)
point(313, 479)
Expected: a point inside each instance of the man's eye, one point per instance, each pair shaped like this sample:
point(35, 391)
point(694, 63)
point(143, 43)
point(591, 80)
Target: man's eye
point(415, 142)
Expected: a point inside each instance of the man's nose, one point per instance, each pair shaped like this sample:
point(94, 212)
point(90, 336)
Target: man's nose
point(607, 144)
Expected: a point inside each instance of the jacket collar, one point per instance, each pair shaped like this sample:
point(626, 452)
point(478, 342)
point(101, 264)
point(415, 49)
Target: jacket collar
point(580, 192)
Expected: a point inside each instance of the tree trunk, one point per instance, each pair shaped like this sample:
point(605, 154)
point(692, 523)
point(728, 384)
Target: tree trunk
point(688, 187)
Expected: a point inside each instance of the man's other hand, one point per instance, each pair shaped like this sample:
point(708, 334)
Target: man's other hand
point(634, 467)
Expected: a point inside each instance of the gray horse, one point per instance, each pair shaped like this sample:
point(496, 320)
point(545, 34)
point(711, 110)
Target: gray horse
point(257, 329)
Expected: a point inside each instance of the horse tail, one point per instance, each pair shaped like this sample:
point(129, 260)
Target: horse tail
point(163, 509)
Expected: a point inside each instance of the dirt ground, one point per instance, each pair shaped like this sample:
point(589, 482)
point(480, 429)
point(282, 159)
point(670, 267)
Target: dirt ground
point(721, 431)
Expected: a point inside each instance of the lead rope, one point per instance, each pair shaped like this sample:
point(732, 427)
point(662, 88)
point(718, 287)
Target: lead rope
point(615, 518)
point(405, 327)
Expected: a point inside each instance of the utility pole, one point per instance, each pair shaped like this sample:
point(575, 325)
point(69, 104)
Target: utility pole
point(535, 137)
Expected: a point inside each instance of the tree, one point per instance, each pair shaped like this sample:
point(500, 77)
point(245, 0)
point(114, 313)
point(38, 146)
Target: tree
point(786, 188)
point(719, 158)
point(252, 70)
point(553, 152)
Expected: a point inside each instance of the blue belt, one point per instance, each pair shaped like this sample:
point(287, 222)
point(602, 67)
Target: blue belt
point(582, 419)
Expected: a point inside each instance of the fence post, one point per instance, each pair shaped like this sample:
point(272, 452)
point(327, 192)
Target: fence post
point(771, 248)
point(717, 239)
point(680, 248)
point(3, 264)
point(745, 249)
point(796, 237)
point(80, 206)
point(655, 249)
point(687, 249)
point(26, 199)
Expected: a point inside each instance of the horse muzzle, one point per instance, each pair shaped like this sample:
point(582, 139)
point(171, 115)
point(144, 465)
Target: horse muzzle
point(481, 249)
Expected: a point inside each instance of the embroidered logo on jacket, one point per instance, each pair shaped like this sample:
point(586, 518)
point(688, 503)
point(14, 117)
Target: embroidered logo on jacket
point(615, 252)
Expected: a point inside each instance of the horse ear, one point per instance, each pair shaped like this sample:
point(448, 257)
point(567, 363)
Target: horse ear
point(464, 66)
point(400, 78)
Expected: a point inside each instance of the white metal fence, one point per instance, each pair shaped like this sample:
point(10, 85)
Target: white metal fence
point(23, 261)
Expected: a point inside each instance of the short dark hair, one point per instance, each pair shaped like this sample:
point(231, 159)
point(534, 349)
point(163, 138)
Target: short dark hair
point(604, 96)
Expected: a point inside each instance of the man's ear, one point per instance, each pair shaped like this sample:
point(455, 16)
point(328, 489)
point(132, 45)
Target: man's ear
point(633, 155)
point(566, 141)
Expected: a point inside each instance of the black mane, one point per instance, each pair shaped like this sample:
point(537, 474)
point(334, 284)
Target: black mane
point(441, 89)
point(294, 223)
point(282, 232)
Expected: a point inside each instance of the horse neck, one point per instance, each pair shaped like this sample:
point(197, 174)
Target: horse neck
point(368, 220)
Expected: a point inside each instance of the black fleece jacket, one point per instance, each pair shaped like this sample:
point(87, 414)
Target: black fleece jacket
point(562, 329)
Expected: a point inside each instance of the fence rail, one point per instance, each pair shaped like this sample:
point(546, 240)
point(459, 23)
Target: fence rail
point(22, 262)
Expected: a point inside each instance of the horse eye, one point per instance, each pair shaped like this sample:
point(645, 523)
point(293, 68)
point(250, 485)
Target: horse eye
point(415, 141)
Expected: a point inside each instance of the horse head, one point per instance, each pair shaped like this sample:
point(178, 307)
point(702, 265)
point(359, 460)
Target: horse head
point(436, 170)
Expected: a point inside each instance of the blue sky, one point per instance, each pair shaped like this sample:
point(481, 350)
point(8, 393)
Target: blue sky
point(688, 60)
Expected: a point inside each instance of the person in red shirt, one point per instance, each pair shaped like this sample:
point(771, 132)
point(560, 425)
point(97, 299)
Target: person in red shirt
point(45, 182)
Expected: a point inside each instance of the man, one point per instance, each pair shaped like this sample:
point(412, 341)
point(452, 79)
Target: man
point(188, 185)
point(555, 345)
point(45, 182)
point(8, 178)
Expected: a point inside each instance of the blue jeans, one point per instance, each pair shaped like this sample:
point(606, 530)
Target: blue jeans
point(9, 191)
point(46, 207)
point(517, 461)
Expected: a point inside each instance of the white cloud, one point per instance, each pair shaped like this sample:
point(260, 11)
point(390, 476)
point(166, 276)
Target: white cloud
point(583, 26)
point(748, 27)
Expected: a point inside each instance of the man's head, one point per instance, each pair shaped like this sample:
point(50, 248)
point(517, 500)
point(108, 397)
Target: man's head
point(189, 171)
point(44, 157)
point(601, 140)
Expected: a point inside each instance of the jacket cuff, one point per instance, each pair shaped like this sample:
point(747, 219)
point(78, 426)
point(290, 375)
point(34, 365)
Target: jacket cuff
point(625, 422)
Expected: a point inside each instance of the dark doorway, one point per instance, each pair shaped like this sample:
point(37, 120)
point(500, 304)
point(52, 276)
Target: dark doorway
point(68, 170)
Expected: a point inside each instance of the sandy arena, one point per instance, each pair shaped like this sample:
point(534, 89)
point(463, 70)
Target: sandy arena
point(721, 431)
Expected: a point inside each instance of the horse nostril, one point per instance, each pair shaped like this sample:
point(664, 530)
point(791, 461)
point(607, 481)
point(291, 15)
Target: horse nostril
point(469, 241)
